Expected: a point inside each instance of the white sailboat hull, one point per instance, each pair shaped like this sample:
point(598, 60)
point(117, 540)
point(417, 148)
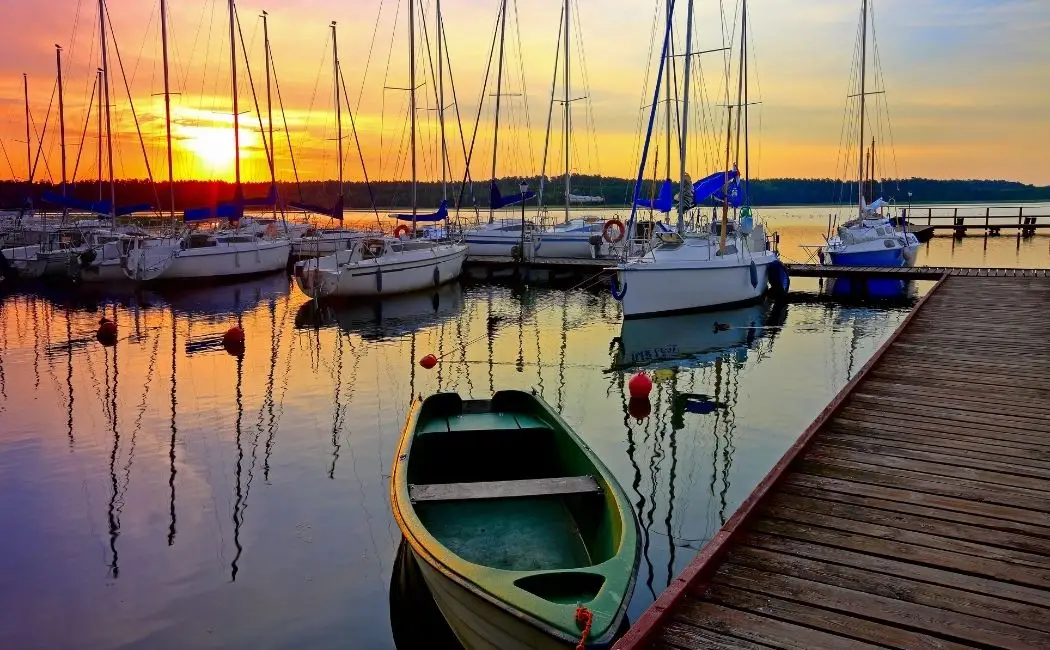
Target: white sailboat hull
point(223, 261)
point(662, 288)
point(394, 273)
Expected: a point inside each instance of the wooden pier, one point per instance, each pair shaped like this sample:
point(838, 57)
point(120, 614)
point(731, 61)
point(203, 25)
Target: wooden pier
point(909, 272)
point(992, 220)
point(913, 513)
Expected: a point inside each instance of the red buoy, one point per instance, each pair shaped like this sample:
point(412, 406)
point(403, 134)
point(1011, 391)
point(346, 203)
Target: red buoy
point(107, 332)
point(428, 361)
point(233, 335)
point(639, 408)
point(640, 385)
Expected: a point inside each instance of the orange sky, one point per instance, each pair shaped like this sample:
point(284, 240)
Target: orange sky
point(967, 85)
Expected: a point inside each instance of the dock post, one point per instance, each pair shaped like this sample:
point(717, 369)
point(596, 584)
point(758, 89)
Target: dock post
point(987, 212)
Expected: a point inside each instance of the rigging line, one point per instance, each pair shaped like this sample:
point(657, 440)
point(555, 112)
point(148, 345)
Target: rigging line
point(524, 88)
point(550, 112)
point(386, 77)
point(645, 90)
point(313, 99)
point(368, 59)
point(7, 158)
point(360, 152)
point(477, 117)
point(131, 104)
point(287, 133)
point(582, 57)
point(459, 122)
point(882, 83)
point(40, 138)
point(83, 135)
point(255, 97)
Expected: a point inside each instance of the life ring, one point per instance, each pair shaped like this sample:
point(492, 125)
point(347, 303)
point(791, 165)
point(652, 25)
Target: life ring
point(401, 230)
point(607, 230)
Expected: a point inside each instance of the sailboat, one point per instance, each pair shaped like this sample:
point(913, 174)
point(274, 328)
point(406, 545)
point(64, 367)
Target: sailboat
point(386, 265)
point(718, 268)
point(218, 254)
point(579, 236)
point(870, 239)
point(316, 242)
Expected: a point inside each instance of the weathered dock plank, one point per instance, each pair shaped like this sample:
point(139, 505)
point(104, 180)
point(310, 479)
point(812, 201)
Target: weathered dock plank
point(913, 513)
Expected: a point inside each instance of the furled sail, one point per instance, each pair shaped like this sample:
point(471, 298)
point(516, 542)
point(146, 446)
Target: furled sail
point(497, 200)
point(664, 199)
point(334, 212)
point(440, 215)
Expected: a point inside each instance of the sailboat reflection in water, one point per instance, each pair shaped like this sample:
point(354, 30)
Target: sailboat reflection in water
point(390, 317)
point(694, 339)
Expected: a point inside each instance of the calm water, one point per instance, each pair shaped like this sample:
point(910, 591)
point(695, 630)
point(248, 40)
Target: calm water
point(164, 494)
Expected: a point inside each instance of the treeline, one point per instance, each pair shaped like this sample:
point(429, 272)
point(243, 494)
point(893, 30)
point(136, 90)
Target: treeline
point(615, 191)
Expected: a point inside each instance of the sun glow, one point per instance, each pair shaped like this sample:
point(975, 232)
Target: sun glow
point(212, 147)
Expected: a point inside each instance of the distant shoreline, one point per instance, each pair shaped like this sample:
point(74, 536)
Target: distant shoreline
point(394, 195)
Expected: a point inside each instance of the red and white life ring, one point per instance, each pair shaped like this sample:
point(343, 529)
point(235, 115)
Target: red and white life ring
point(401, 230)
point(607, 231)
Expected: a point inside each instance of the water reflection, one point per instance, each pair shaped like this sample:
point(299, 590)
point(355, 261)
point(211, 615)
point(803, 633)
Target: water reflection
point(168, 494)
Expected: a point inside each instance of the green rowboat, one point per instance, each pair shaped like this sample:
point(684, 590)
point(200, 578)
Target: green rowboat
point(514, 521)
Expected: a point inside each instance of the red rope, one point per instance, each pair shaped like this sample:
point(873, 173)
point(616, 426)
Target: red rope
point(584, 618)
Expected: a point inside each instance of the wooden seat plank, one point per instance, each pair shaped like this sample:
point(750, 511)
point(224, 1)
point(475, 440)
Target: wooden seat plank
point(504, 489)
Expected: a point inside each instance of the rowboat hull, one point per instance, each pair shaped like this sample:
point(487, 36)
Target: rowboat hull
point(480, 625)
point(509, 550)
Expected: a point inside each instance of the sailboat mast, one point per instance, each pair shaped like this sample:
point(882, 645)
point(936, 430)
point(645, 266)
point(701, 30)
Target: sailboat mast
point(729, 131)
point(98, 83)
point(667, 98)
point(236, 108)
point(412, 100)
point(29, 146)
point(338, 106)
point(61, 121)
point(741, 74)
point(863, 89)
point(441, 101)
point(685, 114)
point(167, 103)
point(747, 146)
point(568, 113)
point(499, 95)
point(269, 104)
point(109, 122)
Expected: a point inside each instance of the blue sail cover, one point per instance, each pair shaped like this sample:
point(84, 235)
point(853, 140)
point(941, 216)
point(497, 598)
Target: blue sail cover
point(335, 212)
point(231, 210)
point(663, 201)
point(709, 186)
point(441, 214)
point(103, 208)
point(499, 201)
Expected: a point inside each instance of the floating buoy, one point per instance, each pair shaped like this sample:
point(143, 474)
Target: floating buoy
point(107, 332)
point(639, 408)
point(428, 361)
point(233, 335)
point(640, 385)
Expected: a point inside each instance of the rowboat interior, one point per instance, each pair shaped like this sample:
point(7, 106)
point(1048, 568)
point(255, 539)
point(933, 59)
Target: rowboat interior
point(502, 488)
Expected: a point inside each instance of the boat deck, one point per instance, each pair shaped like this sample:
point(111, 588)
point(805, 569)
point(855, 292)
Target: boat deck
point(913, 513)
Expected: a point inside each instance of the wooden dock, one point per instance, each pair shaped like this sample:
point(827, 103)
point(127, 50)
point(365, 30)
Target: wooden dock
point(913, 513)
point(909, 272)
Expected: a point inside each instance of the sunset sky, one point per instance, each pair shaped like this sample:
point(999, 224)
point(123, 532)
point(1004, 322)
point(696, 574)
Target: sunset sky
point(967, 84)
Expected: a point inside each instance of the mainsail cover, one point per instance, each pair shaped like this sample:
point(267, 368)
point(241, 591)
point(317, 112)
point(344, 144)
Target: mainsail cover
point(231, 210)
point(334, 212)
point(497, 200)
point(440, 215)
point(104, 208)
point(664, 199)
